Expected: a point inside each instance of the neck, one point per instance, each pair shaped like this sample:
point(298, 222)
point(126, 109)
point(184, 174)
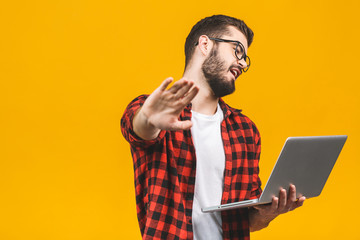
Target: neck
point(205, 102)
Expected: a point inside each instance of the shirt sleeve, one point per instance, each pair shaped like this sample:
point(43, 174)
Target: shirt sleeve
point(256, 183)
point(127, 126)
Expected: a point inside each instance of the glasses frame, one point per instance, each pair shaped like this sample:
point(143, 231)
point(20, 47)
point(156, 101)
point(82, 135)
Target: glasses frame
point(238, 44)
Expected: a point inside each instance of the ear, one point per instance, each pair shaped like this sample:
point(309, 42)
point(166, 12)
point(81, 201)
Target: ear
point(205, 45)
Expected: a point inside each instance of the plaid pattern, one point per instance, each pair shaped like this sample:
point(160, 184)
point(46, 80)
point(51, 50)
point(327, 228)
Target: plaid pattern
point(164, 172)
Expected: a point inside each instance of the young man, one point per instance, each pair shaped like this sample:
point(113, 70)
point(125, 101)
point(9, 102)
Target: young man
point(191, 150)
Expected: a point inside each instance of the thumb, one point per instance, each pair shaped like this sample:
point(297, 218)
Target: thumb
point(182, 125)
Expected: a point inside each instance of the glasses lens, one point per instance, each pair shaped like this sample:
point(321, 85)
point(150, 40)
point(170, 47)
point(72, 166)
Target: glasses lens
point(240, 54)
point(247, 60)
point(239, 51)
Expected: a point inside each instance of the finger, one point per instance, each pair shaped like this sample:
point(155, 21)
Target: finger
point(300, 202)
point(263, 206)
point(275, 204)
point(165, 83)
point(190, 95)
point(174, 88)
point(181, 125)
point(184, 89)
point(292, 195)
point(258, 207)
point(282, 199)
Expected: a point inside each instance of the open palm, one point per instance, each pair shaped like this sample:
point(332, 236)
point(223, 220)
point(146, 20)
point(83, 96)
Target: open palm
point(163, 107)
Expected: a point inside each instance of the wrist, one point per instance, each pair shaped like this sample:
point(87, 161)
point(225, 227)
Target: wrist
point(258, 220)
point(143, 127)
point(146, 118)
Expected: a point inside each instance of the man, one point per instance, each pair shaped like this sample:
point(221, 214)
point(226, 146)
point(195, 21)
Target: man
point(191, 150)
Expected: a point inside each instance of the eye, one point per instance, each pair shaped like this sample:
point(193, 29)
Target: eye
point(239, 53)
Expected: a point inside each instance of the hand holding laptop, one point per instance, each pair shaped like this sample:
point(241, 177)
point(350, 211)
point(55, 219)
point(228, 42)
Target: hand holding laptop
point(281, 204)
point(261, 215)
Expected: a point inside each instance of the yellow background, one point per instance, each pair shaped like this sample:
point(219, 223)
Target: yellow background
point(69, 68)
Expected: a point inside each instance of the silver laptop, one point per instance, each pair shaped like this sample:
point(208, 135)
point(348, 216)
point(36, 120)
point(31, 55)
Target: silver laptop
point(305, 162)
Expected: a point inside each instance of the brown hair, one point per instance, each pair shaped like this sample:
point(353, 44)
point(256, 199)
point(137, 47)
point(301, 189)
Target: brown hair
point(214, 26)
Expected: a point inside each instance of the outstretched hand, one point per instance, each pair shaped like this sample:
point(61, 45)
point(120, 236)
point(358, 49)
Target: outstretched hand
point(162, 109)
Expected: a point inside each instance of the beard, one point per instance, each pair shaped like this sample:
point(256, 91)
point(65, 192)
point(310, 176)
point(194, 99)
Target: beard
point(214, 70)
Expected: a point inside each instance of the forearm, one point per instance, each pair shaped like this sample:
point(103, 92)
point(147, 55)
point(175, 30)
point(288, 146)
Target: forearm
point(143, 128)
point(257, 221)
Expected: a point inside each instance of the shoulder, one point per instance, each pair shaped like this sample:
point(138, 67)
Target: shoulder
point(139, 100)
point(246, 121)
point(239, 118)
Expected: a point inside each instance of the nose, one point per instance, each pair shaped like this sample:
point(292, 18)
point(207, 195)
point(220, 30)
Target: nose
point(242, 63)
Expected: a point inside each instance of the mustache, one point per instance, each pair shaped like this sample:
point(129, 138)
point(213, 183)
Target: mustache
point(236, 66)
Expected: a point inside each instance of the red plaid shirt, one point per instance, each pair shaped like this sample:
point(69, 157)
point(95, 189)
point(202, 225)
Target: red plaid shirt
point(164, 172)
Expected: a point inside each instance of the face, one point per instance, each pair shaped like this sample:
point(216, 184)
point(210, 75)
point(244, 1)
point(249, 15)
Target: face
point(222, 68)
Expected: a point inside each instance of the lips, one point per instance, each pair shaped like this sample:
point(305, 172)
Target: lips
point(235, 72)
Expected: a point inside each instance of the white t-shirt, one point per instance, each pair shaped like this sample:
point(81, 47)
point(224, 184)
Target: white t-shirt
point(209, 180)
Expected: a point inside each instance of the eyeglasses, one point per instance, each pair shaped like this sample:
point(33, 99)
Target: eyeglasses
point(239, 51)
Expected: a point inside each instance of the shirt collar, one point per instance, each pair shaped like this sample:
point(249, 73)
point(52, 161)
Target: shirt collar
point(227, 110)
